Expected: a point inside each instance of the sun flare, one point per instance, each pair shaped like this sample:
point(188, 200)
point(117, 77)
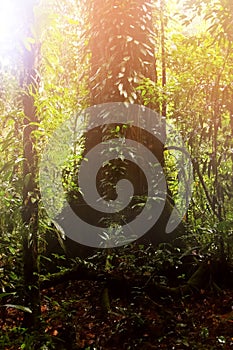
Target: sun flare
point(8, 20)
point(11, 25)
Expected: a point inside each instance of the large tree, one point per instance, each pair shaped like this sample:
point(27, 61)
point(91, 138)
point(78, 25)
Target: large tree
point(121, 53)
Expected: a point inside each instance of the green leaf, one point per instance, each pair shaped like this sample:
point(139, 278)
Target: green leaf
point(3, 295)
point(19, 307)
point(12, 250)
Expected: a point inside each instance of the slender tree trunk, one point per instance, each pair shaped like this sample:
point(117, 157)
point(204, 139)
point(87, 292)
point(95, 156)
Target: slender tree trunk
point(163, 57)
point(30, 187)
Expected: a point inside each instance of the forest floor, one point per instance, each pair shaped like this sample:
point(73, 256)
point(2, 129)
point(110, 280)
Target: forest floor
point(73, 319)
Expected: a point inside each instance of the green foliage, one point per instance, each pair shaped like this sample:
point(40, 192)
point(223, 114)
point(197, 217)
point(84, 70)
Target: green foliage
point(75, 71)
point(219, 17)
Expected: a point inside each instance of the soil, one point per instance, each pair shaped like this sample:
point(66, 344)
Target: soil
point(73, 319)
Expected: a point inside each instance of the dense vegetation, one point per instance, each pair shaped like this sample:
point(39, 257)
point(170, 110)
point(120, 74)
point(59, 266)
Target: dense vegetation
point(170, 292)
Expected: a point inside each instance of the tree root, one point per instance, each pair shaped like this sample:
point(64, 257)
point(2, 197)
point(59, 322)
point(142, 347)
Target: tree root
point(202, 279)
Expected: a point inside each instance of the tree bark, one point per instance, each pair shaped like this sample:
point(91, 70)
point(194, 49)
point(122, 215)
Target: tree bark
point(30, 191)
point(122, 54)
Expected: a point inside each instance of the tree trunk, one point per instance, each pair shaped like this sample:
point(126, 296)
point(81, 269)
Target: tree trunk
point(122, 54)
point(163, 57)
point(30, 187)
